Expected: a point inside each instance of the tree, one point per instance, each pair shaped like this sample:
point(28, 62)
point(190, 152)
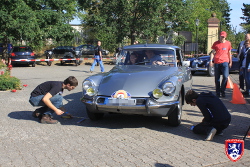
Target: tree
point(115, 20)
point(246, 17)
point(36, 21)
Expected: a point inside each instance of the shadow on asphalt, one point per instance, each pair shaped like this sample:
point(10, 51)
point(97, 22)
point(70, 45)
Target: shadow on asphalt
point(162, 165)
point(118, 121)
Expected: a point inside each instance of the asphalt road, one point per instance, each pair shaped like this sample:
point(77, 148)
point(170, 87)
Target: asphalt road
point(116, 140)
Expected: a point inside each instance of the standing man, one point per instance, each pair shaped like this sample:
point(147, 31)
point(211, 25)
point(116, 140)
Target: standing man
point(216, 116)
point(97, 57)
point(221, 59)
point(245, 66)
point(49, 96)
point(241, 48)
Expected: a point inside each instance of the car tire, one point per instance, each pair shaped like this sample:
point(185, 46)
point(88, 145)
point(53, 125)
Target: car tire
point(49, 63)
point(94, 116)
point(33, 65)
point(192, 72)
point(210, 71)
point(62, 63)
point(174, 119)
point(77, 62)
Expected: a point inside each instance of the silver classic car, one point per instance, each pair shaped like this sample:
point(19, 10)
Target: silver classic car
point(148, 79)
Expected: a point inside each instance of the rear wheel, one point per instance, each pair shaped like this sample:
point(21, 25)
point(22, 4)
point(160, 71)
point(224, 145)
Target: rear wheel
point(49, 63)
point(94, 116)
point(174, 119)
point(210, 71)
point(34, 64)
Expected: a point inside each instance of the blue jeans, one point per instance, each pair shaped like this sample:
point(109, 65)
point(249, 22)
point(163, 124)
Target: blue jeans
point(246, 75)
point(55, 100)
point(97, 60)
point(219, 69)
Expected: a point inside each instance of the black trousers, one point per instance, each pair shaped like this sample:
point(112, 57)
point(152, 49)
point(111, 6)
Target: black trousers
point(241, 80)
point(205, 127)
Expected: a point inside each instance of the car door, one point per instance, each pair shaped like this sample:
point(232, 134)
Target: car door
point(186, 71)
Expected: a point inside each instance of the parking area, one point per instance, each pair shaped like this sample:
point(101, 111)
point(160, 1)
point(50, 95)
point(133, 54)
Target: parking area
point(116, 140)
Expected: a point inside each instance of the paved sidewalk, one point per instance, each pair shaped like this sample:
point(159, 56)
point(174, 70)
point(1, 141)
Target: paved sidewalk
point(115, 141)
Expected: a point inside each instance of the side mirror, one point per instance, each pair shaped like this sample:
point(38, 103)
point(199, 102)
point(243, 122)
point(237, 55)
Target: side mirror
point(186, 63)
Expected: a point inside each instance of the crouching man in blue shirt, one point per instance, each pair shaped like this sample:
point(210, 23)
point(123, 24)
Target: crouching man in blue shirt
point(216, 116)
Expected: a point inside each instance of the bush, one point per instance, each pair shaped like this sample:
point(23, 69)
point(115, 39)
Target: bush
point(8, 82)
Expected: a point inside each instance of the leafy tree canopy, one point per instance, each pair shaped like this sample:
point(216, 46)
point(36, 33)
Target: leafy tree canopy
point(36, 21)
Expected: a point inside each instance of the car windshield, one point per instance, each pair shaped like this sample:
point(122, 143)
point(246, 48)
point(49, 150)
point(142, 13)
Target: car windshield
point(146, 56)
point(22, 49)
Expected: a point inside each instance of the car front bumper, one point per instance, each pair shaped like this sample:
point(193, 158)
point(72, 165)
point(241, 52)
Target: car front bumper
point(144, 106)
point(199, 69)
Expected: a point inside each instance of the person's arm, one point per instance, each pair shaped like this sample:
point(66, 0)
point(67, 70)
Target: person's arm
point(230, 58)
point(47, 102)
point(205, 112)
point(212, 57)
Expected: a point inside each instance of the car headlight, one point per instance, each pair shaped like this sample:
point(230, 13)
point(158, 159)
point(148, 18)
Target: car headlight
point(157, 93)
point(88, 88)
point(86, 84)
point(90, 91)
point(200, 61)
point(168, 87)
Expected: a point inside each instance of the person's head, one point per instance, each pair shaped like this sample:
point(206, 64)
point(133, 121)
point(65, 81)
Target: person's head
point(99, 43)
point(223, 35)
point(133, 58)
point(70, 83)
point(191, 97)
point(247, 36)
point(247, 43)
point(149, 53)
point(136, 42)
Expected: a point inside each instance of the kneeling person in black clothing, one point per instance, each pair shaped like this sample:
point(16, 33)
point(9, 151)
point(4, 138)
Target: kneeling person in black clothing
point(49, 96)
point(216, 116)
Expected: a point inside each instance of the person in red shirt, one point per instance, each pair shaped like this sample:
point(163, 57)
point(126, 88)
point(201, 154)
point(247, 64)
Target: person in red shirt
point(221, 60)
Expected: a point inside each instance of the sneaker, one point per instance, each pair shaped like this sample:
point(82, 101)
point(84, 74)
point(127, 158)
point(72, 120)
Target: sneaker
point(220, 134)
point(245, 93)
point(211, 134)
point(36, 113)
point(46, 119)
point(90, 71)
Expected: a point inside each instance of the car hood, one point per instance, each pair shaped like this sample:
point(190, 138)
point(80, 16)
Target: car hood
point(139, 81)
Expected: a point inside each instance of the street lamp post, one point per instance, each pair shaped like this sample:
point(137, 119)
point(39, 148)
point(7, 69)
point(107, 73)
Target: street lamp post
point(197, 24)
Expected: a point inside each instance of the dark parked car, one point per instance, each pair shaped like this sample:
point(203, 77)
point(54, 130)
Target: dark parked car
point(67, 52)
point(59, 51)
point(89, 50)
point(22, 52)
point(141, 89)
point(202, 63)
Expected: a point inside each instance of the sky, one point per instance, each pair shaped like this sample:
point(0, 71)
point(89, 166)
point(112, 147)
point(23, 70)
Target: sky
point(235, 14)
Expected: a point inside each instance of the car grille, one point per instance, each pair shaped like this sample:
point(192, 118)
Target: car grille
point(139, 101)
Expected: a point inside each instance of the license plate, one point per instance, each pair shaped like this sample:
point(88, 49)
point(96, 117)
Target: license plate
point(122, 102)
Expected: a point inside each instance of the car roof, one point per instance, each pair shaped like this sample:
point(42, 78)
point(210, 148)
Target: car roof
point(150, 46)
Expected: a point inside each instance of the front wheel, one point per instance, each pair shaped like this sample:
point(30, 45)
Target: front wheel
point(174, 119)
point(94, 116)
